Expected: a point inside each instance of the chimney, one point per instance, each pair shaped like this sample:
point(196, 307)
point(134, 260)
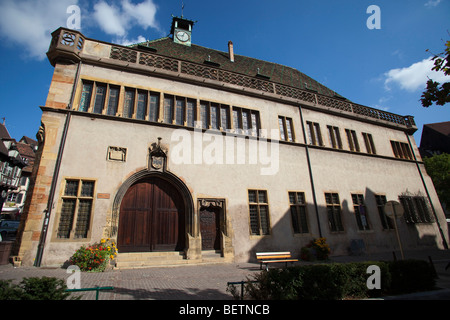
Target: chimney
point(230, 51)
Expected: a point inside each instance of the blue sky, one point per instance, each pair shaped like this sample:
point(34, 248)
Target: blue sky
point(328, 40)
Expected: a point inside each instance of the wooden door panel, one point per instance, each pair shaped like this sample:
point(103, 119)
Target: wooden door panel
point(209, 228)
point(151, 218)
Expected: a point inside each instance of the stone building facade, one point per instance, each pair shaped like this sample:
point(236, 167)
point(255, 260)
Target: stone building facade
point(187, 152)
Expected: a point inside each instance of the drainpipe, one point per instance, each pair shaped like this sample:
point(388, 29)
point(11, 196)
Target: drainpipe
point(310, 172)
point(48, 210)
point(444, 242)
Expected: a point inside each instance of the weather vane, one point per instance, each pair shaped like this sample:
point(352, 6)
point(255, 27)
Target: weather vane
point(182, 8)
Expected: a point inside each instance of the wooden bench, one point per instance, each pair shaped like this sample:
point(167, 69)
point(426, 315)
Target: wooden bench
point(273, 257)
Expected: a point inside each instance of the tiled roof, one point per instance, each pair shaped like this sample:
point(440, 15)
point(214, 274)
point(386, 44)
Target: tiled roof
point(243, 65)
point(441, 127)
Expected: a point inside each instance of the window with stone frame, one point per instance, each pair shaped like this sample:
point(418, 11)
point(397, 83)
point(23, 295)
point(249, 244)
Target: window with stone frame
point(246, 121)
point(314, 134)
point(352, 139)
point(401, 150)
point(333, 207)
point(335, 137)
point(368, 141)
point(286, 129)
point(386, 222)
point(299, 217)
point(360, 210)
point(76, 209)
point(416, 209)
point(259, 212)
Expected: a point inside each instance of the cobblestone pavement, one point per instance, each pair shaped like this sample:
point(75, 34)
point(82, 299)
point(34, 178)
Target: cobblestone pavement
point(201, 282)
point(194, 282)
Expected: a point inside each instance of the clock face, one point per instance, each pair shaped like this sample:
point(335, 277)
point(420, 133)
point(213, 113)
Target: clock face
point(183, 36)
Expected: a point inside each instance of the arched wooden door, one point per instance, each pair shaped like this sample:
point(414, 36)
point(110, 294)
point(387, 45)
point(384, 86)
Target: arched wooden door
point(151, 218)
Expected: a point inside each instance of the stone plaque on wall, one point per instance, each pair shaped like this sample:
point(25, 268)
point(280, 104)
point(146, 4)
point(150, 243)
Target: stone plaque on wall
point(117, 154)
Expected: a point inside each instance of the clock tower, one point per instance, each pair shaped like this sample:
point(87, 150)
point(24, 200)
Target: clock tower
point(181, 30)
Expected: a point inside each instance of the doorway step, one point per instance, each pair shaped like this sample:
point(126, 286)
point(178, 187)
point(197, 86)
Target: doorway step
point(134, 260)
point(212, 256)
point(130, 260)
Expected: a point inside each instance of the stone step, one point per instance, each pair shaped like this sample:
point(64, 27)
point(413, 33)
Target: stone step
point(131, 260)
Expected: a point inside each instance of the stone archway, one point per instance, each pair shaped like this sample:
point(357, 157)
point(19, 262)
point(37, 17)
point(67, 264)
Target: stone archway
point(156, 201)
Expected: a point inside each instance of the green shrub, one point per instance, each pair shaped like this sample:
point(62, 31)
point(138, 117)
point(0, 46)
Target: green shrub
point(9, 291)
point(335, 281)
point(411, 276)
point(45, 288)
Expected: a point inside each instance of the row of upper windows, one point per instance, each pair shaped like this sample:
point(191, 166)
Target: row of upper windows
point(139, 104)
point(400, 150)
point(334, 136)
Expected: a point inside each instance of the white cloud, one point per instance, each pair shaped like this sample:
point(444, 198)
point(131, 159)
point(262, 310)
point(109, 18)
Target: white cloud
point(143, 12)
point(110, 19)
point(415, 76)
point(29, 23)
point(126, 42)
point(432, 3)
point(115, 20)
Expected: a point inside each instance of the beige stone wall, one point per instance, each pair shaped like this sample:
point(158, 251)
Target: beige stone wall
point(343, 172)
point(85, 157)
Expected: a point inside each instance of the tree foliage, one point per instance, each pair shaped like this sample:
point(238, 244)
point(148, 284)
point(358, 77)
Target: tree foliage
point(435, 92)
point(438, 168)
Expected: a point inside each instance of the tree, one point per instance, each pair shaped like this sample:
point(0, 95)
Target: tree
point(438, 168)
point(434, 92)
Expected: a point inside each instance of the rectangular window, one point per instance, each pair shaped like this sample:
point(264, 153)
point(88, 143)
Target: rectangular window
point(386, 222)
point(246, 121)
point(298, 212)
point(285, 126)
point(76, 208)
point(128, 105)
point(204, 109)
point(154, 107)
point(282, 129)
point(225, 118)
point(334, 211)
point(401, 150)
point(360, 209)
point(214, 113)
point(314, 134)
point(416, 209)
point(334, 137)
point(352, 140)
point(99, 102)
point(191, 107)
point(259, 212)
point(368, 140)
point(237, 120)
point(179, 111)
point(86, 96)
point(113, 101)
point(168, 109)
point(141, 109)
